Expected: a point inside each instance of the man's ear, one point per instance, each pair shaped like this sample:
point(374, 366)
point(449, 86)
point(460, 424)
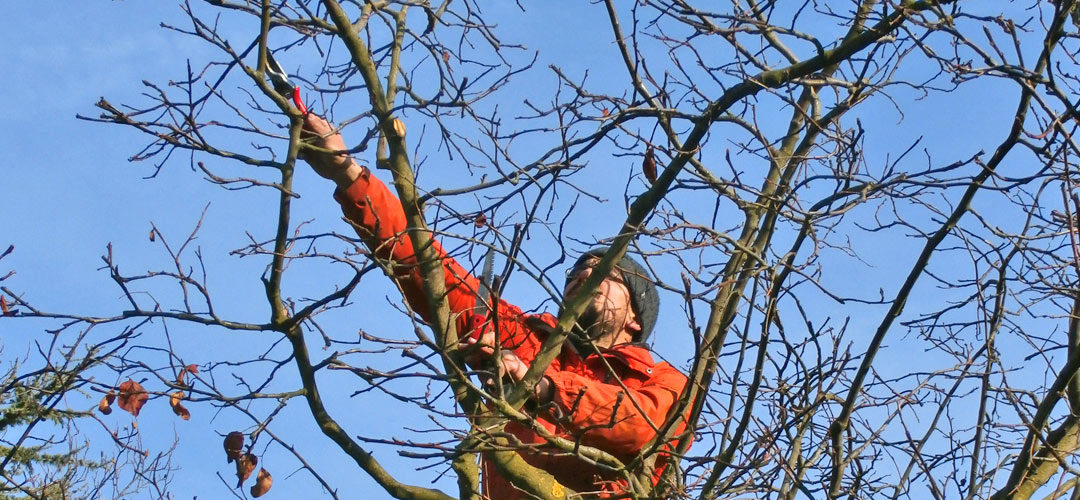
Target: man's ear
point(630, 331)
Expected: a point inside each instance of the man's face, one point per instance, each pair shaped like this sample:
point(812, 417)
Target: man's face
point(608, 318)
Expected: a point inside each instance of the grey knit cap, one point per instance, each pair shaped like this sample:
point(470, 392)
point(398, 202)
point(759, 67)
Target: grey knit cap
point(644, 299)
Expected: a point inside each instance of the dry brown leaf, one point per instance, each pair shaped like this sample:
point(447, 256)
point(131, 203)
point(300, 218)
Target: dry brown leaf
point(446, 56)
point(648, 165)
point(263, 482)
point(3, 306)
point(152, 234)
point(245, 465)
point(605, 112)
point(480, 221)
point(183, 373)
point(132, 397)
point(234, 445)
point(105, 405)
point(177, 408)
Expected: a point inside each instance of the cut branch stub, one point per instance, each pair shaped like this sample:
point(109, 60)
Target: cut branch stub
point(397, 128)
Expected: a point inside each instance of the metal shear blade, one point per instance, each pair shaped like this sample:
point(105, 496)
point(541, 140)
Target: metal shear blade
point(280, 79)
point(486, 280)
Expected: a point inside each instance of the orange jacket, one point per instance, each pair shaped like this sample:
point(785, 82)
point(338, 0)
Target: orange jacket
point(612, 401)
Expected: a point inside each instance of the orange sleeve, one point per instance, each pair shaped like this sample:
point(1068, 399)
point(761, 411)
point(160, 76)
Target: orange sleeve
point(603, 415)
point(379, 220)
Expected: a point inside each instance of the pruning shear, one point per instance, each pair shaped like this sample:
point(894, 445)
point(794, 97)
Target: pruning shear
point(281, 82)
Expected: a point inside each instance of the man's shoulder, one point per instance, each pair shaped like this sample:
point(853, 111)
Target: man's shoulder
point(639, 358)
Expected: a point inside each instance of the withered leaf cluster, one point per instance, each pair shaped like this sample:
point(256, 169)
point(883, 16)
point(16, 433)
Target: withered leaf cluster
point(131, 396)
point(245, 464)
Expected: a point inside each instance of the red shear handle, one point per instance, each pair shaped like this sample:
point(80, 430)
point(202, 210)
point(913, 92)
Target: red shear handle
point(296, 100)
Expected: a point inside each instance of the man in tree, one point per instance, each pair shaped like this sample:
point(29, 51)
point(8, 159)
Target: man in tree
point(603, 390)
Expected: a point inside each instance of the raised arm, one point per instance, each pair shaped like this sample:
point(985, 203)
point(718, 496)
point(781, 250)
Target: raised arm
point(379, 220)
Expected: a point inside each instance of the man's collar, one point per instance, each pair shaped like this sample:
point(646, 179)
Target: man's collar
point(635, 356)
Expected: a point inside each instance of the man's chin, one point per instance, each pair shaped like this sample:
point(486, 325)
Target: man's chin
point(592, 325)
